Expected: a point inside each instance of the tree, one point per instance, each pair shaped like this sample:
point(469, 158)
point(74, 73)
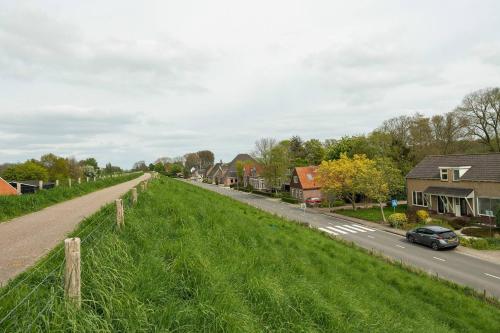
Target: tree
point(57, 167)
point(91, 162)
point(151, 167)
point(263, 147)
point(314, 152)
point(274, 159)
point(159, 167)
point(206, 159)
point(447, 130)
point(297, 151)
point(192, 161)
point(28, 170)
point(349, 145)
point(342, 176)
point(481, 110)
point(75, 170)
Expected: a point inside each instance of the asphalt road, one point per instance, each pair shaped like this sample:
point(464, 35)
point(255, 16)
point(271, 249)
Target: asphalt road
point(448, 264)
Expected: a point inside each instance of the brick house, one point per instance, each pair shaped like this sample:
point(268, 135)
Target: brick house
point(252, 175)
point(229, 173)
point(6, 188)
point(303, 183)
point(456, 185)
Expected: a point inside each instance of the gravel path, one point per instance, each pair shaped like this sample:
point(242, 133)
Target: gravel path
point(24, 240)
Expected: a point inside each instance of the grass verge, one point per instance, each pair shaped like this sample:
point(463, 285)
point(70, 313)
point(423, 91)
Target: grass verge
point(371, 214)
point(192, 260)
point(14, 206)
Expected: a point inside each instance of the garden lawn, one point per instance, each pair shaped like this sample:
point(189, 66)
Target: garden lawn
point(371, 214)
point(13, 206)
point(189, 260)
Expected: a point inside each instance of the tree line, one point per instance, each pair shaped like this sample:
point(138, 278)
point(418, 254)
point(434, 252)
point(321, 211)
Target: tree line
point(51, 167)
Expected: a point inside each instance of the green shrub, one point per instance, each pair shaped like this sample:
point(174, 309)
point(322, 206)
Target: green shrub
point(459, 223)
point(475, 243)
point(397, 219)
point(422, 216)
point(482, 232)
point(289, 200)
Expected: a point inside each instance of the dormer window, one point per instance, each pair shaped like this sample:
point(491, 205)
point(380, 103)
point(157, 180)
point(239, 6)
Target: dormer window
point(444, 174)
point(456, 175)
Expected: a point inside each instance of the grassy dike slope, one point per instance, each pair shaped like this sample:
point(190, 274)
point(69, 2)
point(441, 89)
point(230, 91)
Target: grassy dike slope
point(14, 206)
point(191, 260)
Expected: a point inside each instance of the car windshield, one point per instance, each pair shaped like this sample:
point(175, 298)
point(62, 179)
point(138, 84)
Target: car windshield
point(447, 234)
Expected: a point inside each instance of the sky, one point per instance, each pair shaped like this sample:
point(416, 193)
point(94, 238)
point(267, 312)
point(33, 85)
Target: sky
point(126, 81)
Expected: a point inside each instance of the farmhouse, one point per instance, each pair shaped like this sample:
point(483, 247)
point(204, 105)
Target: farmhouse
point(303, 184)
point(252, 175)
point(457, 185)
point(6, 188)
point(229, 173)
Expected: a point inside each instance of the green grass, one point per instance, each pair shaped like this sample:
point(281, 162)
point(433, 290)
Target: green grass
point(189, 260)
point(371, 214)
point(13, 206)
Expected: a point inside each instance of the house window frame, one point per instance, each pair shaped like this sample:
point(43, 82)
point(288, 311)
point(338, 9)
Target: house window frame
point(479, 207)
point(415, 200)
point(443, 172)
point(455, 172)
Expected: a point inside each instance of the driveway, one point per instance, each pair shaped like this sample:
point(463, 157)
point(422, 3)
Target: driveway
point(463, 269)
point(24, 240)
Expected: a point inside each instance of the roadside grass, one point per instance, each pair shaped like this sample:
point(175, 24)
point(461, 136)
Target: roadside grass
point(14, 206)
point(371, 214)
point(190, 260)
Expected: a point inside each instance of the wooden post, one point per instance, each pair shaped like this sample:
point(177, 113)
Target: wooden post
point(57, 182)
point(134, 196)
point(79, 180)
point(69, 182)
point(72, 281)
point(18, 188)
point(87, 179)
point(40, 184)
point(120, 220)
point(94, 178)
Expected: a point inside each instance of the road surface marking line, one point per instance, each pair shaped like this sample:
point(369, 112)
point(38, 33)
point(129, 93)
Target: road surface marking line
point(439, 259)
point(363, 227)
point(400, 246)
point(347, 229)
point(328, 231)
point(337, 230)
point(493, 276)
point(370, 236)
point(353, 228)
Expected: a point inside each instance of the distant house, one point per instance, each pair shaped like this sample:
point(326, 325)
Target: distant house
point(229, 172)
point(6, 188)
point(303, 183)
point(458, 185)
point(214, 173)
point(252, 176)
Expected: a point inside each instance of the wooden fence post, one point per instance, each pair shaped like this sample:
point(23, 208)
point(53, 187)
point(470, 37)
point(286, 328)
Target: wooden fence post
point(57, 182)
point(40, 184)
point(94, 178)
point(87, 179)
point(79, 180)
point(18, 188)
point(69, 182)
point(134, 196)
point(120, 220)
point(72, 281)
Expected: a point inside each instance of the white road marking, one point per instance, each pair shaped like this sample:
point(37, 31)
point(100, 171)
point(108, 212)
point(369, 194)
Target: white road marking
point(493, 276)
point(328, 231)
point(400, 246)
point(354, 227)
point(363, 227)
point(347, 229)
point(337, 230)
point(370, 236)
point(439, 259)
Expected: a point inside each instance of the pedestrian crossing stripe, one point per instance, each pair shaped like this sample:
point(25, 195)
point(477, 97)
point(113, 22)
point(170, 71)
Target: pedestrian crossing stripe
point(345, 229)
point(328, 231)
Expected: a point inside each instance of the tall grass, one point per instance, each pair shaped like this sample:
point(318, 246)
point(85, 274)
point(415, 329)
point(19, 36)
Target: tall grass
point(13, 206)
point(190, 260)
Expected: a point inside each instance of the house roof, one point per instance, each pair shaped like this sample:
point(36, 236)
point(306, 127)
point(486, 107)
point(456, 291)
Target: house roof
point(449, 191)
point(307, 177)
point(6, 188)
point(212, 171)
point(483, 167)
point(231, 167)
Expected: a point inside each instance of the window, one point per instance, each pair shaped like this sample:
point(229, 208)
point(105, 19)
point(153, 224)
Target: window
point(444, 174)
point(419, 199)
point(456, 175)
point(492, 204)
point(295, 179)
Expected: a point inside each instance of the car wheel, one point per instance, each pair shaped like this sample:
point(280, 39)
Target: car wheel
point(435, 246)
point(411, 239)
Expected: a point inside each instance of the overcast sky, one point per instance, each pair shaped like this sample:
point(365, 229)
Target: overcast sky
point(126, 82)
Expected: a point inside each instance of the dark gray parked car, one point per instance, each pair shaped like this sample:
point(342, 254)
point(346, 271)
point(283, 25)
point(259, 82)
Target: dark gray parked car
point(434, 236)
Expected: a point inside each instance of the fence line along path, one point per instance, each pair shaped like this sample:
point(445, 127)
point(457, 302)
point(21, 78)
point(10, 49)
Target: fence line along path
point(26, 239)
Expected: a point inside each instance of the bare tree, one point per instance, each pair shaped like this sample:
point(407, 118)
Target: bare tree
point(481, 109)
point(447, 130)
point(263, 148)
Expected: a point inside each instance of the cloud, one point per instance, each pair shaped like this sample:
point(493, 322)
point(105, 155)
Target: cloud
point(52, 49)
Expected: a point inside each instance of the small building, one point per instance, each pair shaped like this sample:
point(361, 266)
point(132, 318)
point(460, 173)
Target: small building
point(6, 188)
point(456, 185)
point(303, 183)
point(252, 176)
point(229, 174)
point(31, 186)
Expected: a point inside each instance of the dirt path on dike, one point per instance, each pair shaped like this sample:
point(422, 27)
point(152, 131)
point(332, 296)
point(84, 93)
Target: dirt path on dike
point(24, 240)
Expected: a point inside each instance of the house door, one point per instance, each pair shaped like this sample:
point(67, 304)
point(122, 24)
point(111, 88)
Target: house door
point(463, 207)
point(440, 205)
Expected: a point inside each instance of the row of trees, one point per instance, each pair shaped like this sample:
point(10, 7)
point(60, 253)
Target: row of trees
point(51, 167)
point(472, 127)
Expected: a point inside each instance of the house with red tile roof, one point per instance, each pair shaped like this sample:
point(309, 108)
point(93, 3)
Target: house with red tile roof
point(6, 188)
point(304, 184)
point(252, 175)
